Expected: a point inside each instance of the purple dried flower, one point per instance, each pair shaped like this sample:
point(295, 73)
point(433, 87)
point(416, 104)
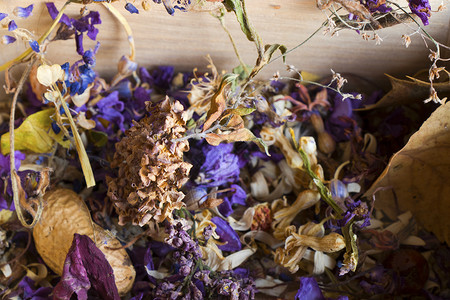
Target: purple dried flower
point(23, 12)
point(227, 234)
point(131, 8)
point(220, 166)
point(2, 16)
point(12, 25)
point(358, 211)
point(422, 9)
point(86, 266)
point(27, 290)
point(35, 46)
point(53, 12)
point(180, 239)
point(309, 289)
point(7, 39)
point(89, 58)
point(376, 5)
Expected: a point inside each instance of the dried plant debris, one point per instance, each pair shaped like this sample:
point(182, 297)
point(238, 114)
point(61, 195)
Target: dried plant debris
point(188, 185)
point(150, 166)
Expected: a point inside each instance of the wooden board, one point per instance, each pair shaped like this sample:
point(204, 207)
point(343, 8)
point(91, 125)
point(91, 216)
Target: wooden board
point(183, 40)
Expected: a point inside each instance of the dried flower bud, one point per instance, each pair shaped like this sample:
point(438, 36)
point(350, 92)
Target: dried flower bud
point(126, 66)
point(326, 143)
point(150, 166)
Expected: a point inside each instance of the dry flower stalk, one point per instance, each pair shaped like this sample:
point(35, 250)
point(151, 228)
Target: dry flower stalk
point(309, 235)
point(150, 166)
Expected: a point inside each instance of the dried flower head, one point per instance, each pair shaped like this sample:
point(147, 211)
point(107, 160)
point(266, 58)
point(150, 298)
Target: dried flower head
point(150, 166)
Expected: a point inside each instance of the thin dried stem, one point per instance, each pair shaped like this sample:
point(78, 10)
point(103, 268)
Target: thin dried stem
point(12, 158)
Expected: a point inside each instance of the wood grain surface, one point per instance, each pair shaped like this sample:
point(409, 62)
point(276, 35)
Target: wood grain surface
point(183, 40)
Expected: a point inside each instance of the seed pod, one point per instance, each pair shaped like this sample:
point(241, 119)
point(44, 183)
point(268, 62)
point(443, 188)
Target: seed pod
point(326, 143)
point(66, 214)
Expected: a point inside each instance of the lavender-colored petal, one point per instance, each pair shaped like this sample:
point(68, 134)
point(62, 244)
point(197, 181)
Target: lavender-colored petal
point(23, 12)
point(131, 8)
point(27, 287)
point(2, 16)
point(225, 207)
point(309, 289)
point(227, 234)
point(35, 46)
point(12, 25)
point(239, 195)
point(86, 266)
point(7, 39)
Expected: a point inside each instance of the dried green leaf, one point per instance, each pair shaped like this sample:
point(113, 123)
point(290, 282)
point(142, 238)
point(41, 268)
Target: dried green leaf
point(240, 135)
point(35, 134)
point(409, 91)
point(237, 7)
point(417, 176)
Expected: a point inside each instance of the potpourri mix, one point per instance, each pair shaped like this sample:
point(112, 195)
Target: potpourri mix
point(159, 184)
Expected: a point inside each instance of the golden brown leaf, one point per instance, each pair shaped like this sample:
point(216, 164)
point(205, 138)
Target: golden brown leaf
point(218, 106)
point(418, 176)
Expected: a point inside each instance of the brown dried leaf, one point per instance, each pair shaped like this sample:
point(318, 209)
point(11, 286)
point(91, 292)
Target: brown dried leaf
point(406, 91)
point(419, 175)
point(218, 106)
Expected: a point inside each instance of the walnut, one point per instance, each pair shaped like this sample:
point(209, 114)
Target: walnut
point(150, 166)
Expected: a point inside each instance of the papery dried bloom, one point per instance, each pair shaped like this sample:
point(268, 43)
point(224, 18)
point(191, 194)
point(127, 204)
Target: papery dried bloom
point(150, 166)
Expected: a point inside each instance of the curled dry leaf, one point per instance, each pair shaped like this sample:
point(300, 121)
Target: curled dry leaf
point(418, 176)
point(217, 107)
point(408, 91)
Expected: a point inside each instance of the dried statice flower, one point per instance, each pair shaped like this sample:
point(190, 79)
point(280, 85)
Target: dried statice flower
point(150, 166)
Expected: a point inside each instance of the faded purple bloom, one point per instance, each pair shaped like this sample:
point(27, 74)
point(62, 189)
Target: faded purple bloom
point(35, 46)
point(12, 25)
point(131, 8)
point(28, 291)
point(162, 77)
point(86, 266)
point(109, 108)
point(239, 195)
point(358, 211)
point(376, 5)
point(309, 289)
point(227, 234)
point(89, 58)
point(220, 166)
point(7, 39)
point(422, 9)
point(2, 16)
point(23, 12)
point(180, 239)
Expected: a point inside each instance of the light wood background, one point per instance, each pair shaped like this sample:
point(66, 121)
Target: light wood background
point(183, 40)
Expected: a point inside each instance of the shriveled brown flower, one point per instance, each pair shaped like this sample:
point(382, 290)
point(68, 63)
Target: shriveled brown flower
point(150, 166)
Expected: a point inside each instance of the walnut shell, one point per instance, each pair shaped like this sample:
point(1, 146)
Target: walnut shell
point(64, 215)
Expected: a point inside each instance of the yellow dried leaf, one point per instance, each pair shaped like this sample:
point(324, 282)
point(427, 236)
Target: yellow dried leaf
point(35, 134)
point(417, 176)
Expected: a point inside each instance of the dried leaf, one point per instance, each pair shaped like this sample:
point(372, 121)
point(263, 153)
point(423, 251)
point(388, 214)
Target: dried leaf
point(237, 7)
point(83, 122)
point(240, 135)
point(269, 50)
point(35, 134)
point(218, 106)
point(406, 91)
point(418, 175)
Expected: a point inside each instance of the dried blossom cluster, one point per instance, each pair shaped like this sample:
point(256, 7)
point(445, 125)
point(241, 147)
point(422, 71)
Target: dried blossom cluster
point(150, 166)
